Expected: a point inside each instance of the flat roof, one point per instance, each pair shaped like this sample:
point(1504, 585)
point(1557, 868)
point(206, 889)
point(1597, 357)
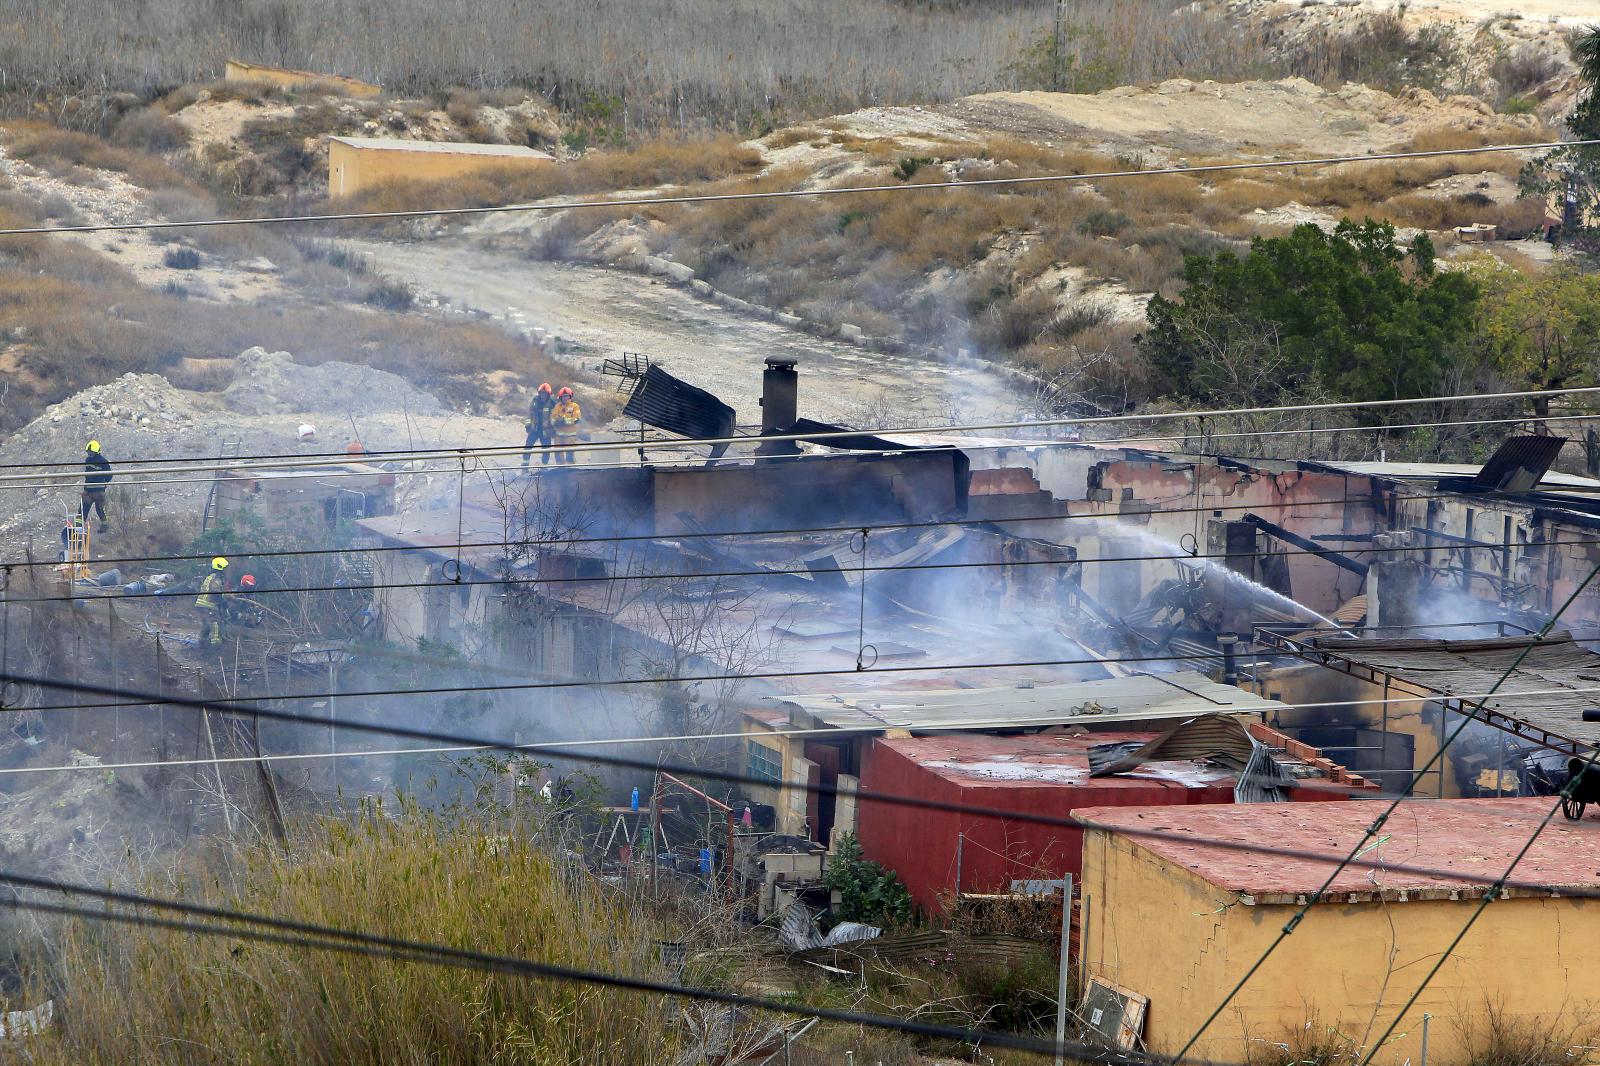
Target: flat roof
point(1463, 844)
point(1552, 479)
point(1045, 761)
point(397, 144)
point(1549, 688)
point(1142, 697)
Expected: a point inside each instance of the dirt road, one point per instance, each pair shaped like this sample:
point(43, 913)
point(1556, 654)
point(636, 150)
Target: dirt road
point(606, 312)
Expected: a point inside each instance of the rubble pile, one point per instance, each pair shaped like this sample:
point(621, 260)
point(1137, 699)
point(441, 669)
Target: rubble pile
point(273, 383)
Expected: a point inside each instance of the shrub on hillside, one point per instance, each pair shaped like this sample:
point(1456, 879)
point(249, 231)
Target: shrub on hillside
point(181, 258)
point(1349, 309)
point(465, 882)
point(148, 130)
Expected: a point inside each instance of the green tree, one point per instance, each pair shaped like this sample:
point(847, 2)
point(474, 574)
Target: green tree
point(1541, 330)
point(1348, 312)
point(1547, 174)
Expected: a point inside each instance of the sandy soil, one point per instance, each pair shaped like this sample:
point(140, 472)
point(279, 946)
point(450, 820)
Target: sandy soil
point(110, 198)
point(606, 312)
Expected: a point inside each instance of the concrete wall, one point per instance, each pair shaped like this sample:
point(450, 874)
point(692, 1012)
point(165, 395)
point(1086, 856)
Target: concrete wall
point(1159, 930)
point(352, 170)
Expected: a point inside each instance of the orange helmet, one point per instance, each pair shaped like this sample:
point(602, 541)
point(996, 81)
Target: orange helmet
point(565, 393)
point(545, 388)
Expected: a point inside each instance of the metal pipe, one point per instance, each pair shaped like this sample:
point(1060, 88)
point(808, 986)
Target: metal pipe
point(1061, 973)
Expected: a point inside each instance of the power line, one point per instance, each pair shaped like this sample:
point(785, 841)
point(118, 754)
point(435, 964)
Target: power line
point(506, 451)
point(426, 454)
point(292, 933)
point(1377, 823)
point(854, 529)
point(1489, 897)
point(577, 750)
point(570, 748)
point(784, 194)
point(809, 571)
point(147, 479)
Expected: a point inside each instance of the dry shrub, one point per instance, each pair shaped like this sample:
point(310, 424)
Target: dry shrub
point(1312, 1043)
point(1164, 193)
point(788, 138)
point(1246, 194)
point(461, 883)
point(44, 146)
point(662, 162)
point(148, 130)
point(1494, 1036)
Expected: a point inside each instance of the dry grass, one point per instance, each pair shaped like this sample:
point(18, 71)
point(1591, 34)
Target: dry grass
point(53, 149)
point(138, 995)
point(79, 319)
point(655, 163)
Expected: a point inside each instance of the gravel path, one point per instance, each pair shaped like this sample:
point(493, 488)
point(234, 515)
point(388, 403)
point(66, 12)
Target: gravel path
point(607, 312)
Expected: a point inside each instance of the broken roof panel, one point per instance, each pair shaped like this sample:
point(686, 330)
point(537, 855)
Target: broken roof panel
point(1183, 694)
point(1463, 844)
point(1551, 686)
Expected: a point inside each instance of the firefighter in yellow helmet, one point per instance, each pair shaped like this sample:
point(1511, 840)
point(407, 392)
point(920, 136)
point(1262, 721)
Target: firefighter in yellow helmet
point(566, 420)
point(209, 603)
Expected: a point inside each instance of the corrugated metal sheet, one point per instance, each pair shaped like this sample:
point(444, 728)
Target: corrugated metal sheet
point(1519, 463)
point(1550, 687)
point(672, 404)
point(1201, 737)
point(1116, 699)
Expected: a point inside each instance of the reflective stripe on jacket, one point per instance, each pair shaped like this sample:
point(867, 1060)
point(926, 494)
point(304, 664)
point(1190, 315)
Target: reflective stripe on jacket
point(212, 584)
point(565, 418)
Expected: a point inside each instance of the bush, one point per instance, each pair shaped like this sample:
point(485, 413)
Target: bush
point(908, 166)
point(1105, 223)
point(148, 130)
point(181, 258)
point(867, 892)
point(463, 883)
point(389, 295)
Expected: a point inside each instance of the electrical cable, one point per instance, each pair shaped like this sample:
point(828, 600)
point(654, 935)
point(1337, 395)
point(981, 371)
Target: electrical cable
point(513, 471)
point(1377, 824)
point(783, 194)
point(582, 751)
point(851, 530)
point(291, 933)
point(1489, 897)
point(510, 450)
point(426, 454)
point(934, 727)
point(808, 572)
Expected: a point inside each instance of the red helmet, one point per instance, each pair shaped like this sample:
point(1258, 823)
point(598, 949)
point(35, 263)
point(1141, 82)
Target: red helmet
point(565, 393)
point(248, 581)
point(545, 388)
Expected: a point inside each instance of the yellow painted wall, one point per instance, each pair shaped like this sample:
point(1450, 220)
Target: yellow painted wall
point(239, 70)
point(1159, 930)
point(1308, 685)
point(779, 746)
point(352, 170)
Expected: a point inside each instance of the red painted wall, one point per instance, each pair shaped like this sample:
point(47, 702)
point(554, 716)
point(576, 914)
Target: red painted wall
point(920, 844)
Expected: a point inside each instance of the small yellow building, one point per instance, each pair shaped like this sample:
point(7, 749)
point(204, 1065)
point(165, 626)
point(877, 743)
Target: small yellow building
point(1180, 922)
point(358, 163)
point(288, 78)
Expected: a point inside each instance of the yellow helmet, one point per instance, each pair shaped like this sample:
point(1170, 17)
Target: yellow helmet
point(94, 446)
point(219, 563)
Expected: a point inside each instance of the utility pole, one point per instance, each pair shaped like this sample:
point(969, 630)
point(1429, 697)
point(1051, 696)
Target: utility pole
point(1058, 49)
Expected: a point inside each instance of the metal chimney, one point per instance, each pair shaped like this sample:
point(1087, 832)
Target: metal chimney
point(780, 395)
point(780, 401)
